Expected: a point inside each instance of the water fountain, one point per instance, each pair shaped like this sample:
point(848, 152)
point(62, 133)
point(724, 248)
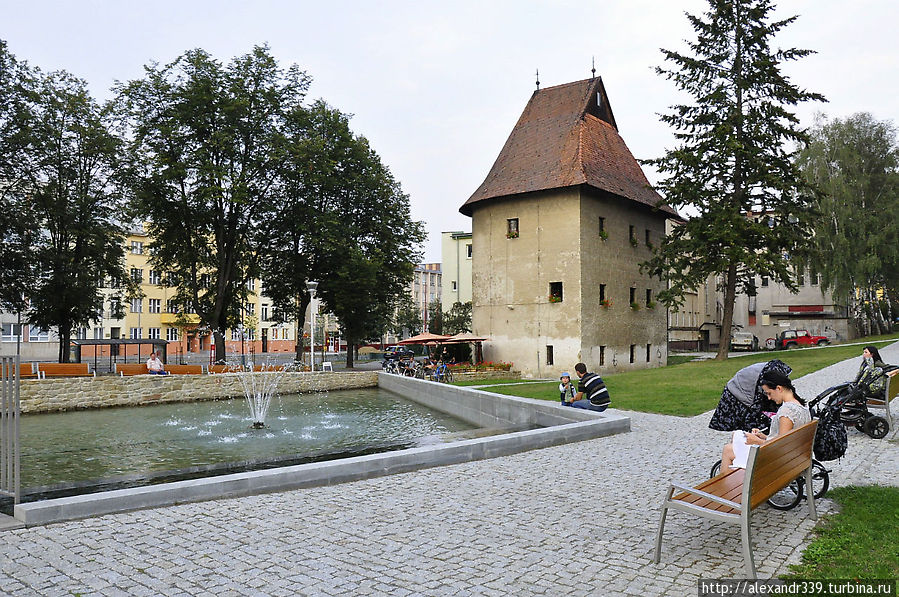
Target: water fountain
point(259, 387)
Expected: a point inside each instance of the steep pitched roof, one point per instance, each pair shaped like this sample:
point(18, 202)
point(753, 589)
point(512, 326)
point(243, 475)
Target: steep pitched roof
point(566, 136)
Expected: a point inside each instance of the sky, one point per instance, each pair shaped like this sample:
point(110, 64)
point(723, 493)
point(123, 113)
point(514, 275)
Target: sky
point(437, 87)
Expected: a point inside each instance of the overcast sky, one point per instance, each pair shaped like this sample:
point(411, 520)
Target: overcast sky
point(437, 86)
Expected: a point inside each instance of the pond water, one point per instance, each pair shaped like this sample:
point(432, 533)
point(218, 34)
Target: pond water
point(91, 450)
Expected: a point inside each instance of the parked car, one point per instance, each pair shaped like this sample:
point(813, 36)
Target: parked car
point(744, 341)
point(392, 353)
point(798, 338)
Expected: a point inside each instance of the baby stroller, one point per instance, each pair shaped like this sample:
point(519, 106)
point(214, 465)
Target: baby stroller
point(854, 406)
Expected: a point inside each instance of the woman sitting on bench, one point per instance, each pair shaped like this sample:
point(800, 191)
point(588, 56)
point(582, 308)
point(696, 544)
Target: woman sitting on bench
point(791, 414)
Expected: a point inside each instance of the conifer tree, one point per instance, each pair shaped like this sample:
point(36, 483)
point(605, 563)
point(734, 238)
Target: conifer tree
point(736, 143)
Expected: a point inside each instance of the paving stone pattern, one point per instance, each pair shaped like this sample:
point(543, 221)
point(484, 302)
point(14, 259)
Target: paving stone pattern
point(579, 519)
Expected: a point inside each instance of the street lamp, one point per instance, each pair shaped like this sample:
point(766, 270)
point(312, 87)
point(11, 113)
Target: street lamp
point(311, 286)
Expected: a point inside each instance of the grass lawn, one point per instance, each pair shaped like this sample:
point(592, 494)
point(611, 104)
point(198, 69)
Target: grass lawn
point(493, 382)
point(691, 388)
point(857, 543)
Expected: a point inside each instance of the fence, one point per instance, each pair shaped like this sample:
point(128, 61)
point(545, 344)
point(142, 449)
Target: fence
point(9, 427)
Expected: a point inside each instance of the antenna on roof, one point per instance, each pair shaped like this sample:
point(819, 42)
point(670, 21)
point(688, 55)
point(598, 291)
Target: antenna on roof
point(593, 63)
point(538, 79)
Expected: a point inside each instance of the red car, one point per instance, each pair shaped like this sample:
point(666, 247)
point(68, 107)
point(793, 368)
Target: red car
point(799, 338)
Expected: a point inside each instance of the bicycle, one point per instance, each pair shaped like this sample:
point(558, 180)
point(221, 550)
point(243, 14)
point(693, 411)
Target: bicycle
point(790, 496)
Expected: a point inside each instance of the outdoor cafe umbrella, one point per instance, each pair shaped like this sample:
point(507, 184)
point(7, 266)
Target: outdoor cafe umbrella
point(423, 338)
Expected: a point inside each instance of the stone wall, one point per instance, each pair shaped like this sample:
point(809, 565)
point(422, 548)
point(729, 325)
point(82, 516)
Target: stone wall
point(60, 394)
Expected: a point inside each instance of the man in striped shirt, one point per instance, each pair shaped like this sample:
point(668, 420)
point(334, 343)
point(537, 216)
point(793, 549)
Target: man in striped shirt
point(592, 393)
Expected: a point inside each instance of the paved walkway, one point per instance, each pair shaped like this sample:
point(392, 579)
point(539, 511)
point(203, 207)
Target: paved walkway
point(573, 520)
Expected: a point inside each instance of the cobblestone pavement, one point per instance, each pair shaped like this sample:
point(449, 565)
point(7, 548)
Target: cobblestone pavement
point(578, 519)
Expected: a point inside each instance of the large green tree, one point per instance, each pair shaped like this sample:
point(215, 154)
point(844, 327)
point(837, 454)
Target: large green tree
point(457, 319)
point(17, 90)
point(855, 163)
point(344, 222)
point(208, 145)
point(734, 155)
point(75, 204)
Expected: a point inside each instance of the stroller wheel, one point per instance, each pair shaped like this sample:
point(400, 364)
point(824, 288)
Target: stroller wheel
point(860, 425)
point(876, 427)
point(788, 497)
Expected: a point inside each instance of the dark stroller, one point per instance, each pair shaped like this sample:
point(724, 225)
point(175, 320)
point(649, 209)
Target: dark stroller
point(854, 405)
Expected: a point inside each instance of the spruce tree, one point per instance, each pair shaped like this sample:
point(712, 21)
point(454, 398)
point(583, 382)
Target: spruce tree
point(733, 171)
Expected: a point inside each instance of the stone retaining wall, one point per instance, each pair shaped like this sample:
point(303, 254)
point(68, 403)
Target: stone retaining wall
point(50, 395)
point(486, 375)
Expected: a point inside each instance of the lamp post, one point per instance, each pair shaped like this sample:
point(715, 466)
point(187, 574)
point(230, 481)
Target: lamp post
point(311, 287)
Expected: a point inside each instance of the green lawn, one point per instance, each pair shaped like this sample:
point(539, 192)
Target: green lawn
point(857, 543)
point(694, 387)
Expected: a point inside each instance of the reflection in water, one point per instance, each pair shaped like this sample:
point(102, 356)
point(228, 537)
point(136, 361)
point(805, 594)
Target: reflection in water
point(99, 444)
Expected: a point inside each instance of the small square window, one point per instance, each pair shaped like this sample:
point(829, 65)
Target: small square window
point(512, 228)
point(555, 292)
point(764, 281)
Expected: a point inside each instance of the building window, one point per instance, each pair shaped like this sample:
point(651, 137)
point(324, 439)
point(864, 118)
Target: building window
point(602, 292)
point(633, 353)
point(98, 333)
point(649, 303)
point(251, 334)
point(155, 306)
point(633, 295)
point(171, 306)
point(512, 228)
point(235, 334)
point(137, 274)
point(136, 305)
point(648, 351)
point(153, 333)
point(135, 333)
point(764, 281)
point(648, 238)
point(251, 309)
point(602, 229)
point(137, 248)
point(251, 285)
point(36, 334)
point(265, 313)
point(468, 250)
point(171, 279)
point(813, 278)
point(555, 292)
point(549, 354)
point(455, 286)
point(154, 277)
point(800, 276)
point(602, 356)
point(632, 235)
point(171, 334)
point(11, 332)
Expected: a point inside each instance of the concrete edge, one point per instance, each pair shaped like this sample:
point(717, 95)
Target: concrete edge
point(569, 425)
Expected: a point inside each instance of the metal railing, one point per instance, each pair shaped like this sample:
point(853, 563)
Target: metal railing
point(9, 427)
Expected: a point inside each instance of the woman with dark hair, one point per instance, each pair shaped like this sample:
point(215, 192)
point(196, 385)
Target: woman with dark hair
point(791, 413)
point(871, 377)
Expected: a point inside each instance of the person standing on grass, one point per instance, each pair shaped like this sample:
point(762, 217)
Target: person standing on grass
point(592, 393)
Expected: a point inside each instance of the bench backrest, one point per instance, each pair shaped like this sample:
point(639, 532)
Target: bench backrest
point(774, 464)
point(26, 370)
point(184, 369)
point(63, 369)
point(224, 368)
point(131, 368)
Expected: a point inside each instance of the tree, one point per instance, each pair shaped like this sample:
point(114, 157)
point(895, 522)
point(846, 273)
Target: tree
point(17, 90)
point(406, 320)
point(458, 318)
point(76, 207)
point(344, 222)
point(855, 162)
point(208, 145)
point(435, 318)
point(732, 159)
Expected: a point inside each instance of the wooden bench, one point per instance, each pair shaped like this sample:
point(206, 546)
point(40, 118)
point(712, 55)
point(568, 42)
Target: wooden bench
point(26, 371)
point(214, 369)
point(733, 495)
point(885, 402)
point(126, 369)
point(184, 369)
point(46, 370)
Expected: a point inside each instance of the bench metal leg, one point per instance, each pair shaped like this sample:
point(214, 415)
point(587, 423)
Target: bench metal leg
point(658, 550)
point(747, 545)
point(810, 493)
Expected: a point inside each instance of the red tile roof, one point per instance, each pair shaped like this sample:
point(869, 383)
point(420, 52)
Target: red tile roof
point(566, 136)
